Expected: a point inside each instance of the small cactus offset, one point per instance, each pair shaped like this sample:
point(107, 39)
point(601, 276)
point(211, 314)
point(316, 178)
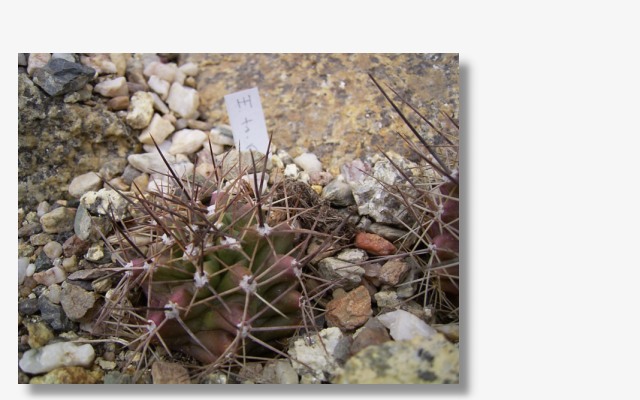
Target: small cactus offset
point(212, 270)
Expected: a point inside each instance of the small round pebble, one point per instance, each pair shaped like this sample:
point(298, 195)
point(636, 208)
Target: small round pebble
point(53, 250)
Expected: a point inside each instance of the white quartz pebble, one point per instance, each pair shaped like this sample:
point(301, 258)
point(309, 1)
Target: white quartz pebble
point(308, 162)
point(162, 71)
point(159, 86)
point(189, 69)
point(183, 100)
point(52, 356)
point(187, 141)
point(150, 162)
point(159, 128)
point(112, 87)
point(403, 325)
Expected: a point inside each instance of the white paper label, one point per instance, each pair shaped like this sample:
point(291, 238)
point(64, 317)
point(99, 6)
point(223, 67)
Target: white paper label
point(247, 120)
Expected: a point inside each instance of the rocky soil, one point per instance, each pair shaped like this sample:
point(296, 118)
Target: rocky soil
point(87, 119)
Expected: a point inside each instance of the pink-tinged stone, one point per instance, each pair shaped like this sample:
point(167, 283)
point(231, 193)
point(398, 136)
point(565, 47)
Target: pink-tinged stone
point(374, 244)
point(393, 272)
point(37, 60)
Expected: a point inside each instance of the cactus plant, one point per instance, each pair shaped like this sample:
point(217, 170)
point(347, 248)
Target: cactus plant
point(210, 268)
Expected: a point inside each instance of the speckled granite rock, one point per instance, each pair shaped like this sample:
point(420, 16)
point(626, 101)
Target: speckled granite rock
point(420, 360)
point(58, 141)
point(326, 103)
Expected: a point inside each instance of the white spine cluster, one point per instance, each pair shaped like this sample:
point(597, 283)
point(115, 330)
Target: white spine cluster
point(151, 326)
point(167, 240)
point(200, 279)
point(211, 210)
point(244, 329)
point(190, 251)
point(264, 230)
point(296, 268)
point(171, 310)
point(248, 284)
point(129, 267)
point(231, 242)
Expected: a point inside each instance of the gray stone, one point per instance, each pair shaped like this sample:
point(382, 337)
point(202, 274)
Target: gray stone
point(388, 232)
point(345, 274)
point(53, 293)
point(23, 263)
point(352, 255)
point(54, 315)
point(368, 188)
point(29, 229)
point(82, 224)
point(22, 60)
point(338, 193)
point(28, 306)
point(130, 173)
point(372, 333)
point(59, 220)
point(117, 378)
point(60, 76)
point(76, 301)
point(65, 56)
point(83, 94)
point(84, 183)
point(43, 208)
point(387, 299)
point(217, 137)
point(318, 356)
point(112, 168)
point(43, 262)
point(105, 202)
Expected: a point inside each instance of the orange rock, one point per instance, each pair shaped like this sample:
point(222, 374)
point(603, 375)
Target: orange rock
point(374, 244)
point(351, 310)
